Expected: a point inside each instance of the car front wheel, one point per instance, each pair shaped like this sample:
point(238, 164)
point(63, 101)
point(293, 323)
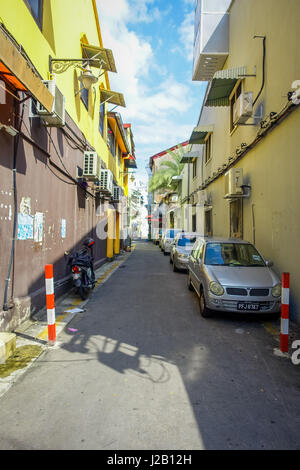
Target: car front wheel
point(205, 312)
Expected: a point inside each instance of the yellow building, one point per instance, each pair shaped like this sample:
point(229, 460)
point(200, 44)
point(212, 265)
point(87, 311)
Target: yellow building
point(68, 151)
point(244, 164)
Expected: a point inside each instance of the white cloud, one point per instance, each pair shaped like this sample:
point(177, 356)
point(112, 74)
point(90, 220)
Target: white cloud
point(190, 3)
point(186, 37)
point(155, 99)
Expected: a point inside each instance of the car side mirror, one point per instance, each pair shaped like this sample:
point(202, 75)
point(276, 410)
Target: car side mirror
point(269, 263)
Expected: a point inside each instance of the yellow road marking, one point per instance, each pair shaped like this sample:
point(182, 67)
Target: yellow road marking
point(269, 327)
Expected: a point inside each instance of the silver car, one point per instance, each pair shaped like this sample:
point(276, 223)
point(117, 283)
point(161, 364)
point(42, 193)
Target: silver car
point(231, 275)
point(168, 239)
point(181, 249)
point(160, 244)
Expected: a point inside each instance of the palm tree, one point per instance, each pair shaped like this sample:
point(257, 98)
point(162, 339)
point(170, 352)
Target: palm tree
point(162, 178)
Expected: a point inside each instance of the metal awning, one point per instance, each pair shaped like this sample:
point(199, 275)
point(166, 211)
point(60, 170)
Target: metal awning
point(199, 134)
point(130, 162)
point(222, 85)
point(116, 118)
point(112, 97)
point(15, 70)
point(189, 157)
point(106, 57)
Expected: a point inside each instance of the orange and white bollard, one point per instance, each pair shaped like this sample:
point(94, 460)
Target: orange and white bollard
point(285, 313)
point(50, 303)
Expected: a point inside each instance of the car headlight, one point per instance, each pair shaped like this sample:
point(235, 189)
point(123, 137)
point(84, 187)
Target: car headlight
point(216, 288)
point(276, 291)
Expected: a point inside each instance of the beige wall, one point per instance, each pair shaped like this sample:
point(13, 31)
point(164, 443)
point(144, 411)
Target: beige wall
point(272, 167)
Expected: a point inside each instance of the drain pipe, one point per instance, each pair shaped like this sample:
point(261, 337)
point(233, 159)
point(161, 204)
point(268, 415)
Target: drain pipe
point(263, 67)
point(13, 242)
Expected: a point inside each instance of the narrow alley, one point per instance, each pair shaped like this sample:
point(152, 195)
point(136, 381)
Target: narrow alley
point(141, 369)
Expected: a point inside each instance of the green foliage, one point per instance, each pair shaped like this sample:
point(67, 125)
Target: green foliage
point(162, 178)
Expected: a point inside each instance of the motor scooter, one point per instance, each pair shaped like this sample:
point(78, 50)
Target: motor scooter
point(82, 268)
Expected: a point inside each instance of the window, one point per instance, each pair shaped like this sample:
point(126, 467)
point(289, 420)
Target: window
point(199, 251)
point(208, 148)
point(111, 141)
point(84, 95)
point(195, 250)
point(101, 119)
point(234, 97)
point(232, 254)
point(119, 156)
point(208, 223)
point(194, 168)
point(236, 219)
point(194, 223)
point(36, 9)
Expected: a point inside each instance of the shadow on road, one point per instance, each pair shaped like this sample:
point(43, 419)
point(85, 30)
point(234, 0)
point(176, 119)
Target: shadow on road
point(144, 322)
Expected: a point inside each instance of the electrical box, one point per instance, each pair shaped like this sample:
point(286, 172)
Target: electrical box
point(234, 183)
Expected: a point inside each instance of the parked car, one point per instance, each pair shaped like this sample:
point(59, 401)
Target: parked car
point(231, 275)
point(168, 239)
point(157, 236)
point(161, 239)
point(181, 249)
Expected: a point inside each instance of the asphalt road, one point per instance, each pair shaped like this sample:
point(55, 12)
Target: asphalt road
point(145, 371)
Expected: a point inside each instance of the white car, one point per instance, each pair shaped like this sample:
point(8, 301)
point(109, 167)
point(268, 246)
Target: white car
point(181, 249)
point(168, 239)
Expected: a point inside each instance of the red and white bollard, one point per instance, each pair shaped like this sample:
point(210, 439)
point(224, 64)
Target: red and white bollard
point(50, 303)
point(285, 313)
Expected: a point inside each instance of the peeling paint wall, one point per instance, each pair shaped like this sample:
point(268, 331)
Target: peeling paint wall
point(58, 212)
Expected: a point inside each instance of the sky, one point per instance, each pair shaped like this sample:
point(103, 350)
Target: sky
point(152, 42)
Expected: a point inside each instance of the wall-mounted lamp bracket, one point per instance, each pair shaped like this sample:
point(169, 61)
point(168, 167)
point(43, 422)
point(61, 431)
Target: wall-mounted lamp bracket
point(62, 65)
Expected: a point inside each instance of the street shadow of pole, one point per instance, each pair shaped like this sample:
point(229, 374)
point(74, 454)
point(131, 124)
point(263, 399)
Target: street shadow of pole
point(143, 321)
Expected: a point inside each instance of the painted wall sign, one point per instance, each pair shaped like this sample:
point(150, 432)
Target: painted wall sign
point(25, 227)
point(38, 227)
point(63, 228)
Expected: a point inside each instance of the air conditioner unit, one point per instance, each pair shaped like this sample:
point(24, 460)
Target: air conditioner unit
point(243, 108)
point(201, 198)
point(106, 182)
point(90, 166)
point(234, 183)
point(117, 193)
point(55, 118)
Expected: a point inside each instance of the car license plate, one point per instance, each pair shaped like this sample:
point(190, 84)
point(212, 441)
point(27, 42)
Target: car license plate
point(248, 306)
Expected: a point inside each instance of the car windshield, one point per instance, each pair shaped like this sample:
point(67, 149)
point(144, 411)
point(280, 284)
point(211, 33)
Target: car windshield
point(232, 254)
point(186, 241)
point(170, 234)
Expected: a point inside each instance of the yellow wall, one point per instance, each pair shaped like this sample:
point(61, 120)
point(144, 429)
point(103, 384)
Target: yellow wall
point(272, 214)
point(64, 25)
point(67, 23)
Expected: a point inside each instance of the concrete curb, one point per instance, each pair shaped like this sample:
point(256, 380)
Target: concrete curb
point(7, 346)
